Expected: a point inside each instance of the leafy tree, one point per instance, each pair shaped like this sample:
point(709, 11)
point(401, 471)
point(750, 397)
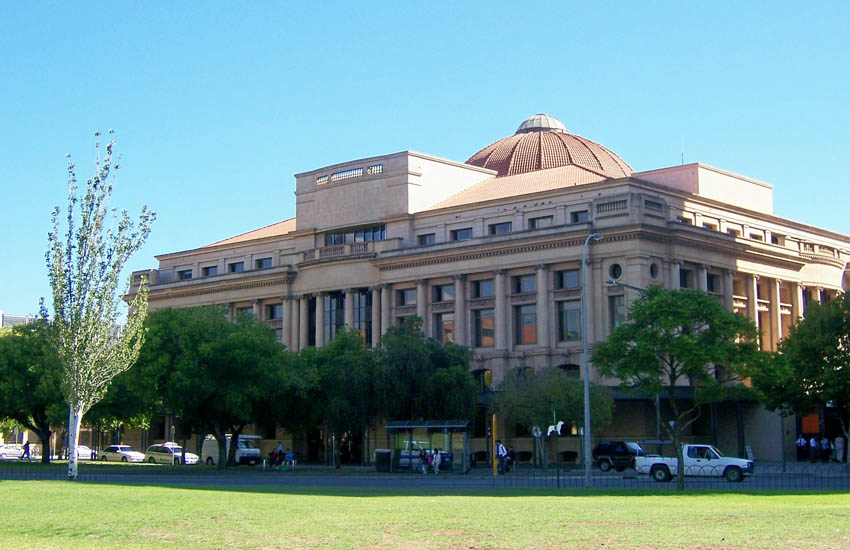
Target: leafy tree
point(532, 397)
point(212, 372)
point(676, 337)
point(84, 265)
point(812, 368)
point(31, 380)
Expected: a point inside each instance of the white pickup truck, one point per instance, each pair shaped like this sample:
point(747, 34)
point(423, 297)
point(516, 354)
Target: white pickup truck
point(699, 460)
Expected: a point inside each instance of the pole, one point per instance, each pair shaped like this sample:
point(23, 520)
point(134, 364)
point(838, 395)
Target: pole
point(495, 459)
point(588, 480)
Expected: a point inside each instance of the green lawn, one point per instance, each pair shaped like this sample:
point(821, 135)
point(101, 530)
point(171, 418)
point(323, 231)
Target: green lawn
point(67, 516)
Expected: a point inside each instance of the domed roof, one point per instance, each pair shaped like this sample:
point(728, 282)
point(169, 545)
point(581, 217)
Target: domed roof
point(542, 142)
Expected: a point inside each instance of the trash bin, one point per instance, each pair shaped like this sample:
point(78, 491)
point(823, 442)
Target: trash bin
point(382, 460)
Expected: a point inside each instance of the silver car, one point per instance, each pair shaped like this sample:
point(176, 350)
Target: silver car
point(121, 453)
point(169, 453)
point(11, 450)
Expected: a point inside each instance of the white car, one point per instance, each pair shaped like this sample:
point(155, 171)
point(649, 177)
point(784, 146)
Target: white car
point(11, 450)
point(84, 453)
point(122, 453)
point(169, 453)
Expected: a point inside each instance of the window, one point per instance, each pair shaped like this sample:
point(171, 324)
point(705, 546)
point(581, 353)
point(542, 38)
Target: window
point(245, 310)
point(685, 220)
point(711, 226)
point(653, 270)
point(263, 263)
point(616, 310)
point(427, 238)
point(444, 293)
point(375, 169)
point(500, 228)
point(757, 236)
point(461, 234)
point(485, 328)
point(580, 216)
point(525, 323)
point(236, 267)
point(363, 315)
point(334, 306)
point(444, 327)
point(569, 278)
point(524, 284)
point(210, 271)
point(184, 275)
point(569, 321)
point(540, 223)
point(733, 232)
point(483, 288)
point(615, 271)
point(406, 297)
point(278, 334)
point(356, 235)
point(712, 284)
point(686, 277)
point(321, 180)
point(274, 311)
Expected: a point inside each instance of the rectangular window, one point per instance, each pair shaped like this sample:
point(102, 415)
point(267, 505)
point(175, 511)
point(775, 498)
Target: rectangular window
point(461, 234)
point(570, 278)
point(444, 327)
point(427, 238)
point(236, 267)
point(569, 321)
point(525, 323)
point(485, 328)
point(263, 263)
point(616, 311)
point(363, 315)
point(483, 288)
point(580, 216)
point(444, 293)
point(500, 228)
point(210, 271)
point(524, 284)
point(184, 275)
point(712, 283)
point(540, 223)
point(733, 232)
point(406, 297)
point(274, 311)
point(686, 277)
point(334, 305)
point(245, 310)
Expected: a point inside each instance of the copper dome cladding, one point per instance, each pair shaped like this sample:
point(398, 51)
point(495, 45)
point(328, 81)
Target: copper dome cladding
point(542, 142)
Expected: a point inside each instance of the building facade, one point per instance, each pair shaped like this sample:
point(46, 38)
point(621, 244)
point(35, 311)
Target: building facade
point(488, 254)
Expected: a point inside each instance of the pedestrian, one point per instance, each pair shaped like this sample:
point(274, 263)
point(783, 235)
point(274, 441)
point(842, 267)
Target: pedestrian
point(501, 454)
point(26, 455)
point(423, 461)
point(510, 462)
point(813, 449)
point(802, 445)
point(825, 449)
point(839, 448)
point(436, 458)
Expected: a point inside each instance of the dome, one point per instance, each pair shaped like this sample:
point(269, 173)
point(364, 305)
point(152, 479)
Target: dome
point(542, 142)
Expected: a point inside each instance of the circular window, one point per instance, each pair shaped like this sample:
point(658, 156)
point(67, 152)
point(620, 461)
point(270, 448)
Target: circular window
point(615, 271)
point(653, 271)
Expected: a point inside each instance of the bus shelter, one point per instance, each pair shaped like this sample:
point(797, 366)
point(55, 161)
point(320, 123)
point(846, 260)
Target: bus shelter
point(406, 437)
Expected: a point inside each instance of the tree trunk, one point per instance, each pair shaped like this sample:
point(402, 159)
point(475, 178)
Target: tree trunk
point(221, 437)
point(234, 445)
point(43, 431)
point(680, 461)
point(75, 416)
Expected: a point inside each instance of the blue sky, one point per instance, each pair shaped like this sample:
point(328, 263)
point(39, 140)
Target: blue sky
point(216, 107)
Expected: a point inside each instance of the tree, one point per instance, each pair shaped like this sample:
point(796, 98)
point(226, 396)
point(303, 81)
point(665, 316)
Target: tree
point(214, 373)
point(84, 265)
point(676, 337)
point(812, 368)
point(31, 380)
point(532, 398)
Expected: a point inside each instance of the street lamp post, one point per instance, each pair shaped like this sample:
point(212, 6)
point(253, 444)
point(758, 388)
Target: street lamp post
point(586, 370)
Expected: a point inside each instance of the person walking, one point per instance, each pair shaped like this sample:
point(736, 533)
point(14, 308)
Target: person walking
point(813, 449)
point(436, 458)
point(423, 461)
point(839, 448)
point(802, 447)
point(26, 455)
point(501, 454)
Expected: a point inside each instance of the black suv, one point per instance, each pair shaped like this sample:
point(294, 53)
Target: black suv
point(616, 454)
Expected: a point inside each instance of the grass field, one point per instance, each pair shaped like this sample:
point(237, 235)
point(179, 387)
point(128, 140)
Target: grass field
point(69, 516)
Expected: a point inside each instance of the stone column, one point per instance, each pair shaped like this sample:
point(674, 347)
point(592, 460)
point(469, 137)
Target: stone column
point(702, 277)
point(460, 310)
point(543, 329)
point(295, 323)
point(320, 319)
point(285, 321)
point(675, 274)
point(349, 307)
point(376, 315)
point(728, 288)
point(797, 300)
point(775, 313)
point(386, 320)
point(501, 313)
point(752, 302)
point(257, 309)
point(422, 305)
point(304, 322)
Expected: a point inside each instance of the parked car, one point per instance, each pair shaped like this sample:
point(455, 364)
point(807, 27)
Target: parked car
point(169, 453)
point(11, 450)
point(122, 453)
point(247, 451)
point(699, 460)
point(616, 454)
point(84, 453)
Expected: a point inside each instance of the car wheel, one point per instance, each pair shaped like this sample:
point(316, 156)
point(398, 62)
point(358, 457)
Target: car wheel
point(210, 461)
point(152, 460)
point(660, 473)
point(123, 459)
point(103, 458)
point(733, 474)
point(604, 465)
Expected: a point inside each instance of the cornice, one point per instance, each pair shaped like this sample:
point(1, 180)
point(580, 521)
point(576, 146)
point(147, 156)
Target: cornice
point(217, 288)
